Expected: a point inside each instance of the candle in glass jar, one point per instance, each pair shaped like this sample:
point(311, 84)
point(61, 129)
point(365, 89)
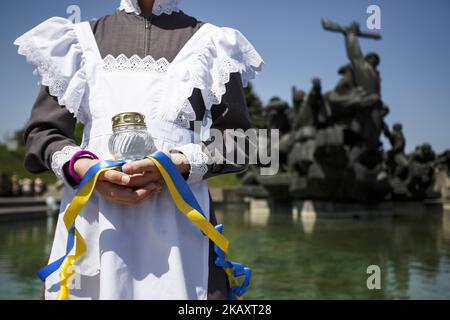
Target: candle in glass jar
point(130, 139)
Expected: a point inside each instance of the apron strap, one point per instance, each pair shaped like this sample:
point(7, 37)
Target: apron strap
point(88, 43)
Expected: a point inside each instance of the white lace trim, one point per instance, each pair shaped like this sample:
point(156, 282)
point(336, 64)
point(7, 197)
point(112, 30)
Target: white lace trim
point(213, 96)
point(249, 65)
point(185, 116)
point(51, 76)
point(159, 7)
point(227, 51)
point(197, 159)
point(60, 158)
point(135, 63)
point(253, 64)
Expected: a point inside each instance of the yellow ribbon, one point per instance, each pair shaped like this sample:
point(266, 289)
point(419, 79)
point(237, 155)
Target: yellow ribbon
point(197, 218)
point(67, 272)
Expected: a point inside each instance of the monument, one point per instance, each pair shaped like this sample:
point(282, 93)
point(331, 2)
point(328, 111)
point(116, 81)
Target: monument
point(330, 142)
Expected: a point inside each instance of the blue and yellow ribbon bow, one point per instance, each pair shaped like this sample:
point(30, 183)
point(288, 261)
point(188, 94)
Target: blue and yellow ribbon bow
point(185, 202)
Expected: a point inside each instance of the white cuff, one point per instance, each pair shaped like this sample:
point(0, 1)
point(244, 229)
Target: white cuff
point(60, 158)
point(198, 161)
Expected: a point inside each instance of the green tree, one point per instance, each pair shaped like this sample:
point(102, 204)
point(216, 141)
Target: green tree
point(18, 137)
point(255, 107)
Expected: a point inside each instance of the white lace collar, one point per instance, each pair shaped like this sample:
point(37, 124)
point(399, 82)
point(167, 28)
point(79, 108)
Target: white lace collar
point(160, 6)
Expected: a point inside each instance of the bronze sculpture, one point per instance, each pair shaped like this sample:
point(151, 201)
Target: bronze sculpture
point(330, 143)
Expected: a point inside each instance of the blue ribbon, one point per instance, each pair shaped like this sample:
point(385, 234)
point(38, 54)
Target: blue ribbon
point(237, 269)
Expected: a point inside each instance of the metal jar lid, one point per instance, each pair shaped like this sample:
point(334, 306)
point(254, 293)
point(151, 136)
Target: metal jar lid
point(128, 119)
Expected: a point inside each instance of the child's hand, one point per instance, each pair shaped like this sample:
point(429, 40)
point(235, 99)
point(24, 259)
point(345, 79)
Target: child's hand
point(145, 171)
point(118, 187)
point(125, 194)
point(144, 176)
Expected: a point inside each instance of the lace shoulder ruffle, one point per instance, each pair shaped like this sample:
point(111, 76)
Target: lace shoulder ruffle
point(226, 51)
point(53, 48)
point(234, 53)
point(159, 7)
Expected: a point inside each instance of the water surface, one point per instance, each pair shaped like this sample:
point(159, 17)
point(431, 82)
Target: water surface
point(292, 258)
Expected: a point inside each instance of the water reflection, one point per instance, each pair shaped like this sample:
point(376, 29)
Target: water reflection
point(308, 217)
point(24, 248)
point(294, 254)
point(446, 225)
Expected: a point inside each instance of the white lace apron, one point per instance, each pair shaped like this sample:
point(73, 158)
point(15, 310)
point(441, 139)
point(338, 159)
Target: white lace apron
point(151, 250)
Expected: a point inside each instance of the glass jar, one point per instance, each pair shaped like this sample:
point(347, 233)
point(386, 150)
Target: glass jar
point(130, 139)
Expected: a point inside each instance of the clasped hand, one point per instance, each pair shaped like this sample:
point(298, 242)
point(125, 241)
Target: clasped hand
point(138, 181)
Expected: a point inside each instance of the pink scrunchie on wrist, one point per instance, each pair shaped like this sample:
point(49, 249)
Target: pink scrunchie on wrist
point(75, 157)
